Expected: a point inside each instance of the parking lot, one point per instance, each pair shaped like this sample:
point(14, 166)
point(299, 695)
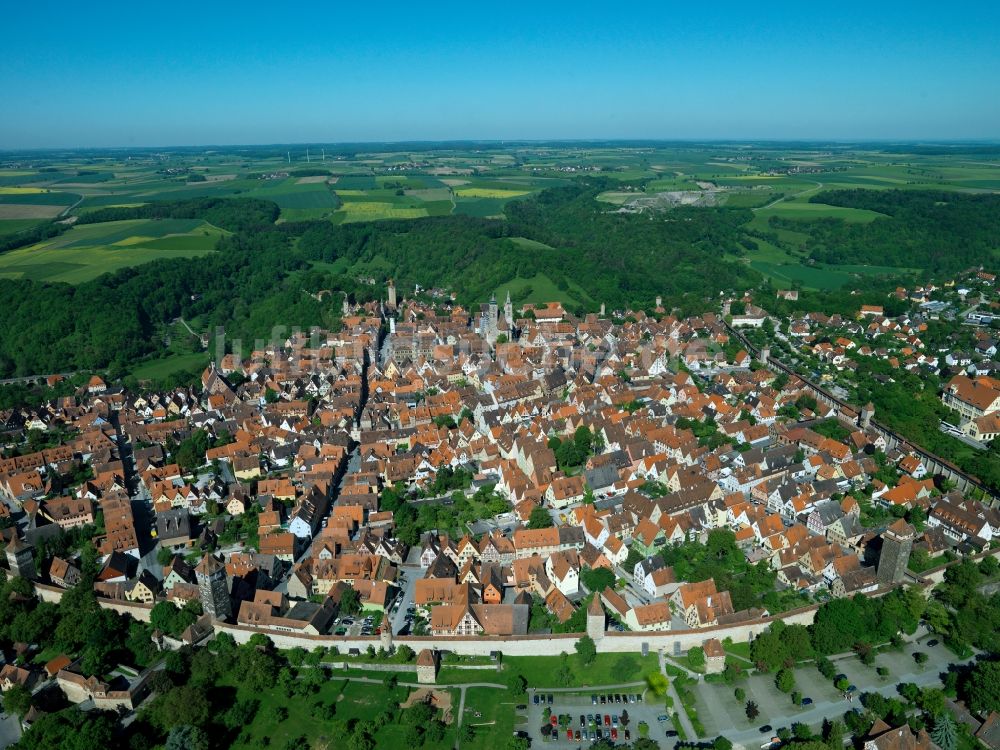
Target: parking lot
point(617, 720)
point(356, 625)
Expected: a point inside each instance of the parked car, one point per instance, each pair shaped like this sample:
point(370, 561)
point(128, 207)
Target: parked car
point(583, 721)
point(535, 699)
point(614, 720)
point(614, 733)
point(807, 701)
point(628, 735)
point(766, 728)
point(577, 736)
point(593, 700)
point(551, 699)
point(569, 734)
point(933, 642)
point(603, 700)
point(670, 733)
point(607, 720)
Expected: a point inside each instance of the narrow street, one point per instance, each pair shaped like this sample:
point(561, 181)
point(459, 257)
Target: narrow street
point(686, 724)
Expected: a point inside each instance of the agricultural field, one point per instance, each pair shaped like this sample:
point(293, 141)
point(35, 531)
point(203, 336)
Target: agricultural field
point(344, 185)
point(87, 251)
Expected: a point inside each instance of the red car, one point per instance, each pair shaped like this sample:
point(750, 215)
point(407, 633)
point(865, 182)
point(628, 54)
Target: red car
point(614, 734)
point(569, 734)
point(607, 720)
point(553, 720)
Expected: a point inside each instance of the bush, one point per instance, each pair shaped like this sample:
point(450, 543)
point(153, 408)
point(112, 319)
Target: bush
point(696, 658)
point(785, 680)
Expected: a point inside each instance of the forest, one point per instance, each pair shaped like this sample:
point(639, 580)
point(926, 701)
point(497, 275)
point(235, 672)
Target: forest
point(615, 258)
point(935, 231)
point(257, 277)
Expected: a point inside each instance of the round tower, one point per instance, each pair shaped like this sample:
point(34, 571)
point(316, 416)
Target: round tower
point(386, 634)
point(595, 618)
point(867, 413)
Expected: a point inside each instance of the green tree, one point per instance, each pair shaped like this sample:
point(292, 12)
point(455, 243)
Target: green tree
point(586, 649)
point(751, 710)
point(945, 733)
point(17, 700)
point(539, 518)
point(696, 658)
point(983, 687)
point(350, 602)
point(186, 737)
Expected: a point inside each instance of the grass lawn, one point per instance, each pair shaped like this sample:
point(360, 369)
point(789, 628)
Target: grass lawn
point(496, 724)
point(530, 244)
point(741, 650)
point(158, 369)
point(540, 288)
point(607, 669)
point(451, 676)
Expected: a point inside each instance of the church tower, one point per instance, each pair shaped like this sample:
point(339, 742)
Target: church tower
point(392, 294)
point(213, 588)
point(508, 311)
point(595, 618)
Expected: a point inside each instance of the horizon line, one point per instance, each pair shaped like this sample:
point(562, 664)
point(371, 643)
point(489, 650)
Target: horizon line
point(992, 141)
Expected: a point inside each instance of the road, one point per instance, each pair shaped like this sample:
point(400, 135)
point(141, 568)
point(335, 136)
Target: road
point(413, 572)
point(10, 730)
point(686, 724)
point(65, 211)
point(819, 186)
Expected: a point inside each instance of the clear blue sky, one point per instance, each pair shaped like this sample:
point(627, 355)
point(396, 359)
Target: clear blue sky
point(103, 74)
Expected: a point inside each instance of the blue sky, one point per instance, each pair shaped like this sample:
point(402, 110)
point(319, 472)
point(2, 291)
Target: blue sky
point(160, 74)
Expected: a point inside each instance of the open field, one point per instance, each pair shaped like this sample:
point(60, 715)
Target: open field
point(540, 288)
point(13, 211)
point(158, 369)
point(85, 252)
